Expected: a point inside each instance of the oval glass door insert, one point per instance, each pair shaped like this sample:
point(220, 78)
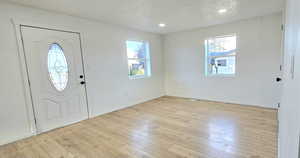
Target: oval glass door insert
point(58, 67)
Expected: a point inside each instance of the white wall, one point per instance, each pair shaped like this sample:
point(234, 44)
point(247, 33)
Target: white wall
point(106, 67)
point(110, 89)
point(258, 62)
point(289, 113)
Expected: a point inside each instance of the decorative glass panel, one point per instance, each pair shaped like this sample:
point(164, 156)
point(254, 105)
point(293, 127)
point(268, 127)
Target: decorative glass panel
point(57, 67)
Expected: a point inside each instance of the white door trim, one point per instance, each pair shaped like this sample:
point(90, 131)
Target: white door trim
point(24, 71)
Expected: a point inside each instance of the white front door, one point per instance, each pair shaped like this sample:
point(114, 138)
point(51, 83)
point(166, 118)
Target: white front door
point(56, 76)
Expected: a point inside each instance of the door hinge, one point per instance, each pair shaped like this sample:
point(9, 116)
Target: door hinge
point(299, 147)
point(29, 83)
point(282, 27)
point(278, 105)
point(280, 67)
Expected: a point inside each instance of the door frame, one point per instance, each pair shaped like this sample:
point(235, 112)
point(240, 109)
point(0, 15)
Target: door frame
point(17, 24)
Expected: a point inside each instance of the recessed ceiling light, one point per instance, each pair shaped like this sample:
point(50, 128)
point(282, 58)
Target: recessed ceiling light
point(162, 25)
point(222, 11)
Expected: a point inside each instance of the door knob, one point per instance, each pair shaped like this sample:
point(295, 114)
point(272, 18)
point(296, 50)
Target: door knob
point(278, 79)
point(82, 82)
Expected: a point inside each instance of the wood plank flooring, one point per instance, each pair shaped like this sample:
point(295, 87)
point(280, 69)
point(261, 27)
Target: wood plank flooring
point(166, 127)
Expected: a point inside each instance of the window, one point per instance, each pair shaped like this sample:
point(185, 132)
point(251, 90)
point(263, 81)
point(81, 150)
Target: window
point(220, 55)
point(138, 59)
point(57, 67)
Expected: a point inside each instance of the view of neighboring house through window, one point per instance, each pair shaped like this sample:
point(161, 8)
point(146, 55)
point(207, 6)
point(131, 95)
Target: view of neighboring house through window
point(138, 59)
point(220, 55)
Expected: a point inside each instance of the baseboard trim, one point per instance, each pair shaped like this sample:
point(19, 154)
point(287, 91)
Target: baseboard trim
point(15, 139)
point(19, 138)
point(207, 100)
point(127, 106)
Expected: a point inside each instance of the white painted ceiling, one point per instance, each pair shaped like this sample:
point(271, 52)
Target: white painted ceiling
point(145, 15)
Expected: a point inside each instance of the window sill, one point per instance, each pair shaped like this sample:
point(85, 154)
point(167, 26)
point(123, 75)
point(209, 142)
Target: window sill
point(138, 77)
point(222, 76)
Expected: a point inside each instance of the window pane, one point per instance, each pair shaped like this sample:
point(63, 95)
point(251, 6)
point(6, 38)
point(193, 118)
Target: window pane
point(220, 52)
point(224, 65)
point(136, 50)
point(136, 67)
point(222, 46)
point(138, 59)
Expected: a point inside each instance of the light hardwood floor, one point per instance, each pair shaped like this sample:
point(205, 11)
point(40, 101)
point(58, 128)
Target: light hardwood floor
point(166, 127)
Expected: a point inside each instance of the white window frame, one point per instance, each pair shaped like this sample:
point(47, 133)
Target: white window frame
point(147, 60)
point(207, 74)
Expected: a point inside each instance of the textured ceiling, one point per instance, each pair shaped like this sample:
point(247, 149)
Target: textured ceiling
point(147, 14)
